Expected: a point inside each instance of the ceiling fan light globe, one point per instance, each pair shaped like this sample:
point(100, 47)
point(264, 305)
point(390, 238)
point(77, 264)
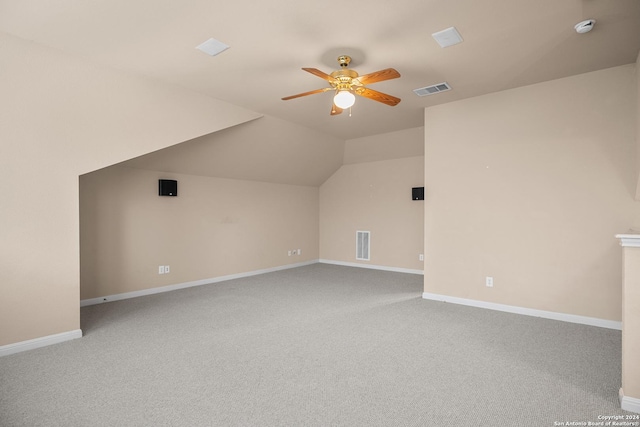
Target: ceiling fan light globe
point(344, 99)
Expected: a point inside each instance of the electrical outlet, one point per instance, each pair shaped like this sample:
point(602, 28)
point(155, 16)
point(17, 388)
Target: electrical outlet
point(299, 251)
point(489, 281)
point(289, 253)
point(166, 269)
point(421, 257)
point(161, 269)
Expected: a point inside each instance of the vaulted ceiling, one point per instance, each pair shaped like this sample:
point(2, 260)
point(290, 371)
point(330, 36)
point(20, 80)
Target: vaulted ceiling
point(266, 149)
point(507, 43)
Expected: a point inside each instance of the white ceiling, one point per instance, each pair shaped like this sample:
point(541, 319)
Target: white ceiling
point(507, 43)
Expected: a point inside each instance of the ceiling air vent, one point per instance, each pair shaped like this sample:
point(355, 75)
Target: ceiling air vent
point(430, 90)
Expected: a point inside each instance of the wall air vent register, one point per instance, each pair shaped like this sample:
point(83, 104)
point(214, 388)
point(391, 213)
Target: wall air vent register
point(363, 243)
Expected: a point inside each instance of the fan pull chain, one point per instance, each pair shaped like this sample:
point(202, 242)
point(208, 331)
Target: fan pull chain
point(349, 111)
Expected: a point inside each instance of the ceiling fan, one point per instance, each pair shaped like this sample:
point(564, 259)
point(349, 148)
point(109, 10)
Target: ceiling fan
point(346, 82)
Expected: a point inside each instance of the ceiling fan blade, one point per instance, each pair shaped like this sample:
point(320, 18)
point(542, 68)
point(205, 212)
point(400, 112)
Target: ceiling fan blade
point(377, 76)
point(378, 96)
point(320, 74)
point(335, 110)
point(307, 93)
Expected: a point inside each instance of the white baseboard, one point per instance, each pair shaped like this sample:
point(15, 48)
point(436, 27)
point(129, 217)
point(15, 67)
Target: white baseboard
point(572, 318)
point(168, 288)
point(630, 404)
point(21, 346)
point(372, 267)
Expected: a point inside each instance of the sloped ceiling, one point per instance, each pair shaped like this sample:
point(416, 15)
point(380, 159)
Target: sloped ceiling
point(266, 149)
point(507, 43)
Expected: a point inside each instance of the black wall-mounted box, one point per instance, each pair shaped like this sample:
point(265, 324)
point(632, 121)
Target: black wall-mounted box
point(167, 187)
point(417, 193)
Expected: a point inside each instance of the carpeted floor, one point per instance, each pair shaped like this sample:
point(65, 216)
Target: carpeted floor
point(320, 345)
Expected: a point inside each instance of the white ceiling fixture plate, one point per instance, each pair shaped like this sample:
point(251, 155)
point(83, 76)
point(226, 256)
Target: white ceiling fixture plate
point(447, 37)
point(212, 47)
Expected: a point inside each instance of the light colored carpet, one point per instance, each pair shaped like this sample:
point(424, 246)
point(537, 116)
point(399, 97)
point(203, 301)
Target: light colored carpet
point(320, 345)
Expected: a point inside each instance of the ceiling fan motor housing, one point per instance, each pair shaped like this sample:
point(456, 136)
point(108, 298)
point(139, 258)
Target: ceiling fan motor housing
point(343, 79)
point(344, 60)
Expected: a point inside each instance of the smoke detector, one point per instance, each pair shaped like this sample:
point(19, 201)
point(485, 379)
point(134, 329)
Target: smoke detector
point(585, 26)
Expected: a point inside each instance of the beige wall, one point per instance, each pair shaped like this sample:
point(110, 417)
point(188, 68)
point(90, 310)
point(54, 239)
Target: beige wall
point(61, 117)
point(229, 226)
point(631, 285)
point(215, 227)
point(638, 126)
point(375, 196)
point(529, 186)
